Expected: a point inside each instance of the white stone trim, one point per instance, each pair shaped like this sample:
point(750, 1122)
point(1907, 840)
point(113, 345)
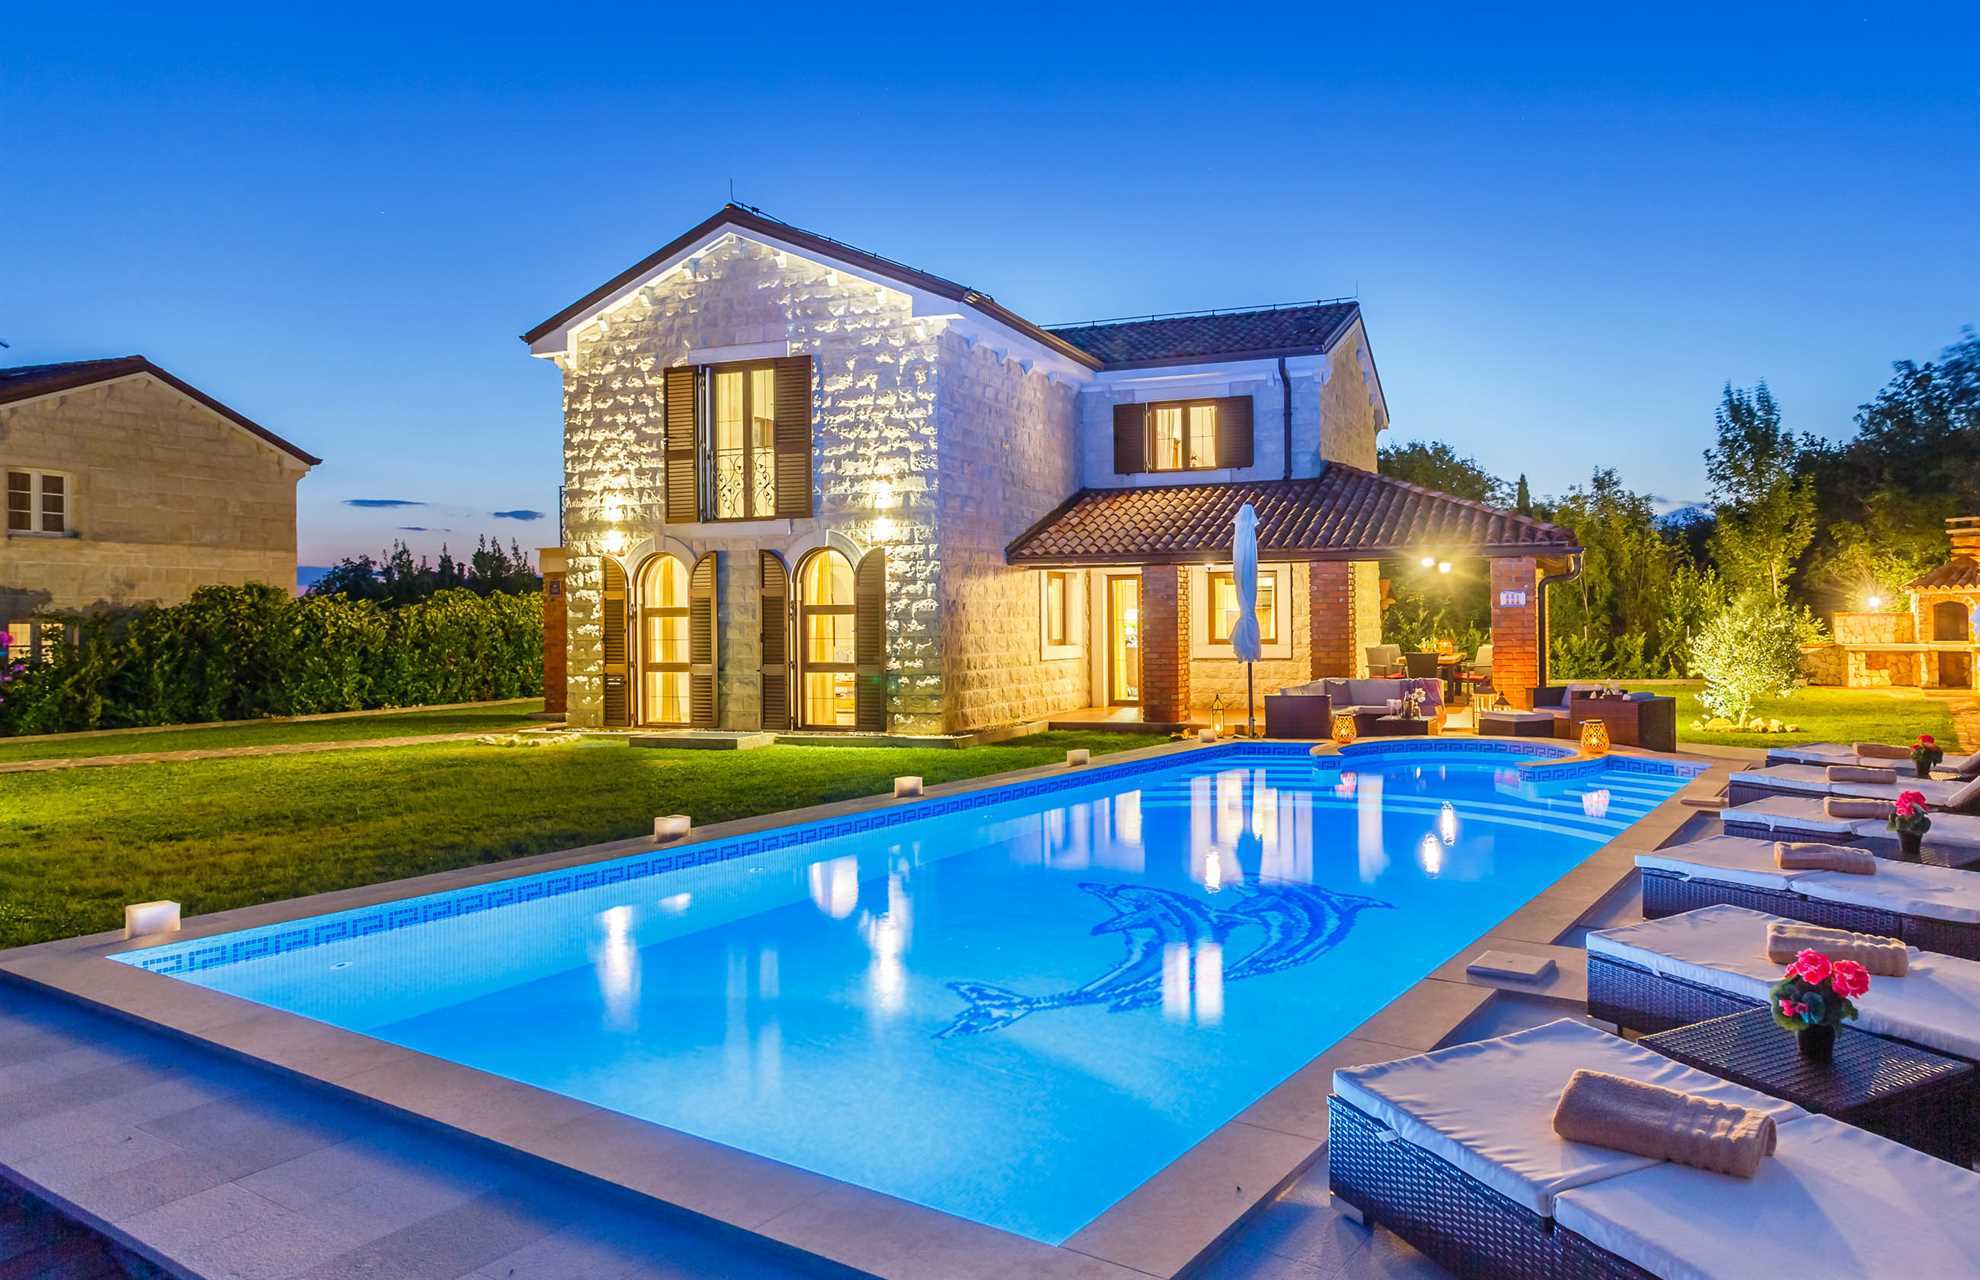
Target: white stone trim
point(1076, 623)
point(1166, 381)
point(735, 355)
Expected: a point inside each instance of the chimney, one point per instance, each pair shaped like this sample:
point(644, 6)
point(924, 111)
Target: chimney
point(1964, 531)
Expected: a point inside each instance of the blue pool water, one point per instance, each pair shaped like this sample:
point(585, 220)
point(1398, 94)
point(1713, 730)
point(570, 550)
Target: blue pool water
point(1016, 1010)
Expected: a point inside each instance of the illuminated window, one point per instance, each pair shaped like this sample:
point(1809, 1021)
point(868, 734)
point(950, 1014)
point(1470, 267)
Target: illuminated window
point(1182, 436)
point(825, 611)
point(35, 642)
point(1224, 606)
point(37, 502)
point(1058, 608)
point(663, 638)
point(743, 440)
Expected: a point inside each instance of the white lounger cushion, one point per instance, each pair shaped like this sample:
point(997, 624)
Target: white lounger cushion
point(1936, 1004)
point(1813, 780)
point(1799, 813)
point(1732, 859)
point(1833, 1201)
point(1908, 888)
point(1487, 1108)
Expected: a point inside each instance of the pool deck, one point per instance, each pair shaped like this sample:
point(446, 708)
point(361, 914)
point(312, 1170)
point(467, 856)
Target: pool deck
point(219, 1137)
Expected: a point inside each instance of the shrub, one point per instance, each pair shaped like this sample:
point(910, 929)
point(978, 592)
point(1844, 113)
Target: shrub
point(238, 653)
point(1750, 650)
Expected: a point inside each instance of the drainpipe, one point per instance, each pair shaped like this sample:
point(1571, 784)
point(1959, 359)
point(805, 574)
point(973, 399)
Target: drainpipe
point(1548, 580)
point(1285, 385)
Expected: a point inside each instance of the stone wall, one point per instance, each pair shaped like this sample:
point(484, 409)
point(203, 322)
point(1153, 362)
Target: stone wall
point(873, 462)
point(1351, 415)
point(1096, 429)
point(1210, 678)
point(165, 496)
point(1006, 458)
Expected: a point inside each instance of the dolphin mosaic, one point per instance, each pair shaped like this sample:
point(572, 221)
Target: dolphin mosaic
point(1297, 925)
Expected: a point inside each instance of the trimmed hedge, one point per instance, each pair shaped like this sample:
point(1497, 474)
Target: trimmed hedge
point(238, 653)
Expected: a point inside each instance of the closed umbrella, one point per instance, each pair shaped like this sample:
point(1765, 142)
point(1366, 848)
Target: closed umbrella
point(1244, 575)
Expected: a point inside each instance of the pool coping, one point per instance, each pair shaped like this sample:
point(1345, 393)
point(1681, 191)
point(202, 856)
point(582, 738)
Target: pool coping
point(1162, 1228)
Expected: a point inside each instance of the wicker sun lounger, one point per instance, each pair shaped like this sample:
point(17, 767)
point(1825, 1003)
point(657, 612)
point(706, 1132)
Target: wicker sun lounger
point(1454, 1151)
point(1828, 753)
point(1953, 841)
point(1932, 908)
point(1813, 780)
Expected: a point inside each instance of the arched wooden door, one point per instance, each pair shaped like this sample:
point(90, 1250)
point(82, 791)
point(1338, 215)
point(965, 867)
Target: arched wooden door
point(828, 667)
point(663, 642)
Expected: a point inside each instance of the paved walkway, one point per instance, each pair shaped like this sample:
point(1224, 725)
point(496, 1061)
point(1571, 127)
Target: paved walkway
point(1965, 709)
point(228, 753)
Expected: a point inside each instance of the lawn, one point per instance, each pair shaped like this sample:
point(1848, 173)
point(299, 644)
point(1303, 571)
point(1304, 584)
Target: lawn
point(1823, 715)
point(497, 718)
point(77, 844)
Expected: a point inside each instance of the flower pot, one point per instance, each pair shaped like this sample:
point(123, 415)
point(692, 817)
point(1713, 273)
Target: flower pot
point(1924, 769)
point(1817, 1044)
point(1910, 843)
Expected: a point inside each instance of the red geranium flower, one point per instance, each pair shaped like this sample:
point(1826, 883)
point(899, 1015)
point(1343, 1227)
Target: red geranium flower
point(1811, 967)
point(1848, 979)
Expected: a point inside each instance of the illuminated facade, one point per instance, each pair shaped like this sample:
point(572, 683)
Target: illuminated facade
point(795, 473)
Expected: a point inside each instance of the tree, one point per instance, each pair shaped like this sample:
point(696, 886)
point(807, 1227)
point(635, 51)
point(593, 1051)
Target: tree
point(396, 578)
point(1435, 465)
point(1609, 620)
point(1764, 507)
point(1751, 650)
point(1523, 497)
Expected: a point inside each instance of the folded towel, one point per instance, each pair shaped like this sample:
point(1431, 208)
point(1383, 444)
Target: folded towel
point(1650, 1120)
point(1860, 773)
point(1880, 750)
point(1855, 807)
point(1811, 855)
point(1884, 957)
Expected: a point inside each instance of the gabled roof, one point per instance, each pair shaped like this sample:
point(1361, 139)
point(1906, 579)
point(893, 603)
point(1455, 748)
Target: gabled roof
point(1341, 514)
point(747, 219)
point(25, 382)
point(1294, 328)
point(1956, 574)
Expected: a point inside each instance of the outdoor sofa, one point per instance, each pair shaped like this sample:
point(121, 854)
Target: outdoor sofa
point(1932, 908)
point(1367, 700)
point(1455, 1152)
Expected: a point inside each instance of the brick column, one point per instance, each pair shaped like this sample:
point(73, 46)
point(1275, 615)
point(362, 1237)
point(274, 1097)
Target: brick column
point(1330, 618)
point(555, 654)
point(1516, 628)
point(1164, 644)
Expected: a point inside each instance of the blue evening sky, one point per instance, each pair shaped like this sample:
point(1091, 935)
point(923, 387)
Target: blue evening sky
point(1567, 233)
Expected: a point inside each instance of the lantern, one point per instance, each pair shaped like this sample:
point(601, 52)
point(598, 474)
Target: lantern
point(1343, 727)
point(1595, 737)
point(1217, 714)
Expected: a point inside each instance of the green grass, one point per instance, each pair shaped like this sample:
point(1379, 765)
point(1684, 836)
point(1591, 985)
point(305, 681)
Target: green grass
point(77, 844)
point(1823, 715)
point(400, 724)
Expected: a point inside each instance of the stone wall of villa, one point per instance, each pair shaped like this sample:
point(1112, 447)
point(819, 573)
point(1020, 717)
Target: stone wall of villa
point(1210, 678)
point(1005, 457)
point(873, 400)
point(163, 496)
point(1351, 416)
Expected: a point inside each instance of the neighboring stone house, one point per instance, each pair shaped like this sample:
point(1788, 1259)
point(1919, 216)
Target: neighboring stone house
point(807, 487)
point(127, 486)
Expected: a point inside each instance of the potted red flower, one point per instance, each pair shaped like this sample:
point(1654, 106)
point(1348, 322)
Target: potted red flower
point(1814, 998)
point(1926, 755)
point(1911, 822)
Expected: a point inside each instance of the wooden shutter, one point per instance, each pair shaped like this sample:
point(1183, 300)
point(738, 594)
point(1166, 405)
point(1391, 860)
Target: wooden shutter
point(701, 643)
point(793, 433)
point(612, 617)
point(683, 466)
point(775, 638)
point(1234, 431)
point(1130, 439)
point(870, 642)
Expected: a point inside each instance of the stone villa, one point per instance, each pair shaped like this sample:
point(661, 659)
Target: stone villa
point(127, 486)
point(808, 487)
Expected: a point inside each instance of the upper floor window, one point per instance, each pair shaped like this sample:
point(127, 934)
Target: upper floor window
point(738, 441)
point(37, 502)
point(1183, 435)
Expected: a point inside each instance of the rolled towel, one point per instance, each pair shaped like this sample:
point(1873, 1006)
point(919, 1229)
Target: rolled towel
point(1860, 773)
point(1811, 855)
point(1855, 807)
point(1880, 751)
point(1664, 1124)
point(1883, 957)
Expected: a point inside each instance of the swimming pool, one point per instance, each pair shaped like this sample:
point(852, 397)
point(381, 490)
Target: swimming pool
point(1014, 1005)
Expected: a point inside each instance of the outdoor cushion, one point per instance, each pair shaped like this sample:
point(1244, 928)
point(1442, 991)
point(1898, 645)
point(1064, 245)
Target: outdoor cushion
point(1724, 948)
point(1373, 693)
point(1798, 813)
point(1487, 1108)
point(1809, 779)
point(1833, 1200)
point(1908, 888)
point(1731, 859)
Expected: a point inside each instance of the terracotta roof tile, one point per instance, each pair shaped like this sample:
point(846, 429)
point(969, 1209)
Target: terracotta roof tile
point(1282, 330)
point(1341, 514)
point(1956, 574)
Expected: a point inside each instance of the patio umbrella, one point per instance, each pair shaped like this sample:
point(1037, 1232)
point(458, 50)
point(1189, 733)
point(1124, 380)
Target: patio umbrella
point(1244, 575)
